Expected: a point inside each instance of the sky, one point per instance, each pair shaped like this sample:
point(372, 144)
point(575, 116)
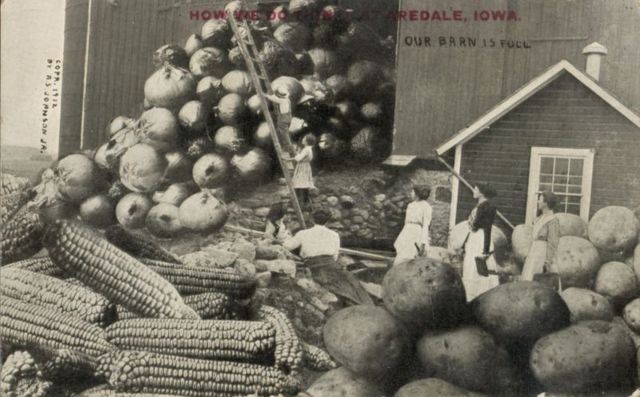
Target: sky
point(32, 32)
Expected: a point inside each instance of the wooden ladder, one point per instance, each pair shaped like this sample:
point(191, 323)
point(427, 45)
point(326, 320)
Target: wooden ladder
point(262, 85)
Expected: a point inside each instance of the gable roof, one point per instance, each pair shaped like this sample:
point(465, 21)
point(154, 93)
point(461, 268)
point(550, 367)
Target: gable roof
point(528, 90)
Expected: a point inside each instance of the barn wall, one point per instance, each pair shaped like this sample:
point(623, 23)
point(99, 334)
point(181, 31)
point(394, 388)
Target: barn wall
point(564, 114)
point(442, 90)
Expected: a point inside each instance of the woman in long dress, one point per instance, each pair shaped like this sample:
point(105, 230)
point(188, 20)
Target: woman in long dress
point(413, 240)
point(302, 180)
point(546, 235)
point(479, 244)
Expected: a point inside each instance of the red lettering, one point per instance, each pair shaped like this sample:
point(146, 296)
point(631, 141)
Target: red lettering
point(457, 15)
point(436, 16)
point(424, 15)
point(512, 16)
point(194, 14)
point(206, 15)
point(498, 15)
point(445, 16)
point(413, 15)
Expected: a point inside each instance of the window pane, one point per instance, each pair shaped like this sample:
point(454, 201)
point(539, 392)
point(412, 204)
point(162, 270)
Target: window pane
point(576, 166)
point(546, 165)
point(575, 189)
point(562, 166)
point(560, 180)
point(575, 180)
point(546, 178)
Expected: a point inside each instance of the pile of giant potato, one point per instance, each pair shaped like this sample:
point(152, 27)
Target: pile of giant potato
point(520, 338)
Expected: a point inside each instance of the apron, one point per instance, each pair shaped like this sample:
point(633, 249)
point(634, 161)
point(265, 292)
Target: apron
point(474, 283)
point(534, 264)
point(326, 272)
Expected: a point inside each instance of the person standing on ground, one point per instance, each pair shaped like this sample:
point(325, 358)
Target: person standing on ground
point(319, 248)
point(413, 240)
point(302, 175)
point(478, 244)
point(546, 236)
point(275, 228)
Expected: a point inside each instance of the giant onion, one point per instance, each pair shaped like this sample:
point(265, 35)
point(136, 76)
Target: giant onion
point(228, 139)
point(142, 168)
point(203, 212)
point(169, 87)
point(193, 116)
point(170, 53)
point(77, 177)
point(208, 61)
point(158, 127)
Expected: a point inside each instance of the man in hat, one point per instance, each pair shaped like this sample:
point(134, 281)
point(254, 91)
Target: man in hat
point(319, 248)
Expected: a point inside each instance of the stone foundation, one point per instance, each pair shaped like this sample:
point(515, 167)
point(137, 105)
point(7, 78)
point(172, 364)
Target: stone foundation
point(367, 205)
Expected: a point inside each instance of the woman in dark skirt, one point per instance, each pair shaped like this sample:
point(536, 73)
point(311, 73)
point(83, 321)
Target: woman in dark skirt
point(479, 244)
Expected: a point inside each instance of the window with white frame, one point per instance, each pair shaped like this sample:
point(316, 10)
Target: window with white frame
point(567, 173)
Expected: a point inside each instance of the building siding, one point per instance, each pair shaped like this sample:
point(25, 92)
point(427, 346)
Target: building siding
point(564, 114)
point(442, 90)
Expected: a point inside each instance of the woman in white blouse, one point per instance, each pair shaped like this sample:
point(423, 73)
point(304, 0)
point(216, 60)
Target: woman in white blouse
point(413, 240)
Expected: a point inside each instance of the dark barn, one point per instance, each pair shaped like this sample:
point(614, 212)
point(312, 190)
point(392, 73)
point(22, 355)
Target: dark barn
point(561, 131)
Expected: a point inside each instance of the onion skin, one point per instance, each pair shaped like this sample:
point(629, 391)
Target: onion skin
point(175, 194)
point(211, 171)
point(159, 129)
point(252, 165)
point(169, 87)
point(208, 61)
point(172, 54)
point(142, 168)
point(210, 90)
point(132, 210)
point(193, 44)
point(193, 116)
point(77, 177)
point(163, 221)
point(203, 212)
point(228, 139)
point(98, 211)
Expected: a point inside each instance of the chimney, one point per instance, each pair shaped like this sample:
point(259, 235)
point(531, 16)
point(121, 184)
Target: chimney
point(594, 52)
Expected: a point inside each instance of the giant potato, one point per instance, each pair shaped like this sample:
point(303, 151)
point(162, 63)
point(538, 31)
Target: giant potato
point(468, 357)
point(572, 225)
point(434, 387)
point(424, 293)
point(614, 229)
point(591, 355)
point(521, 240)
point(365, 339)
point(341, 382)
point(585, 304)
point(520, 311)
point(632, 334)
point(618, 282)
point(577, 262)
point(631, 315)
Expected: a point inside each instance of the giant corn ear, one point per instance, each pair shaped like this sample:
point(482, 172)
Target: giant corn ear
point(194, 280)
point(210, 339)
point(288, 352)
point(90, 258)
point(145, 372)
point(22, 376)
point(48, 331)
point(56, 294)
point(21, 236)
point(42, 265)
